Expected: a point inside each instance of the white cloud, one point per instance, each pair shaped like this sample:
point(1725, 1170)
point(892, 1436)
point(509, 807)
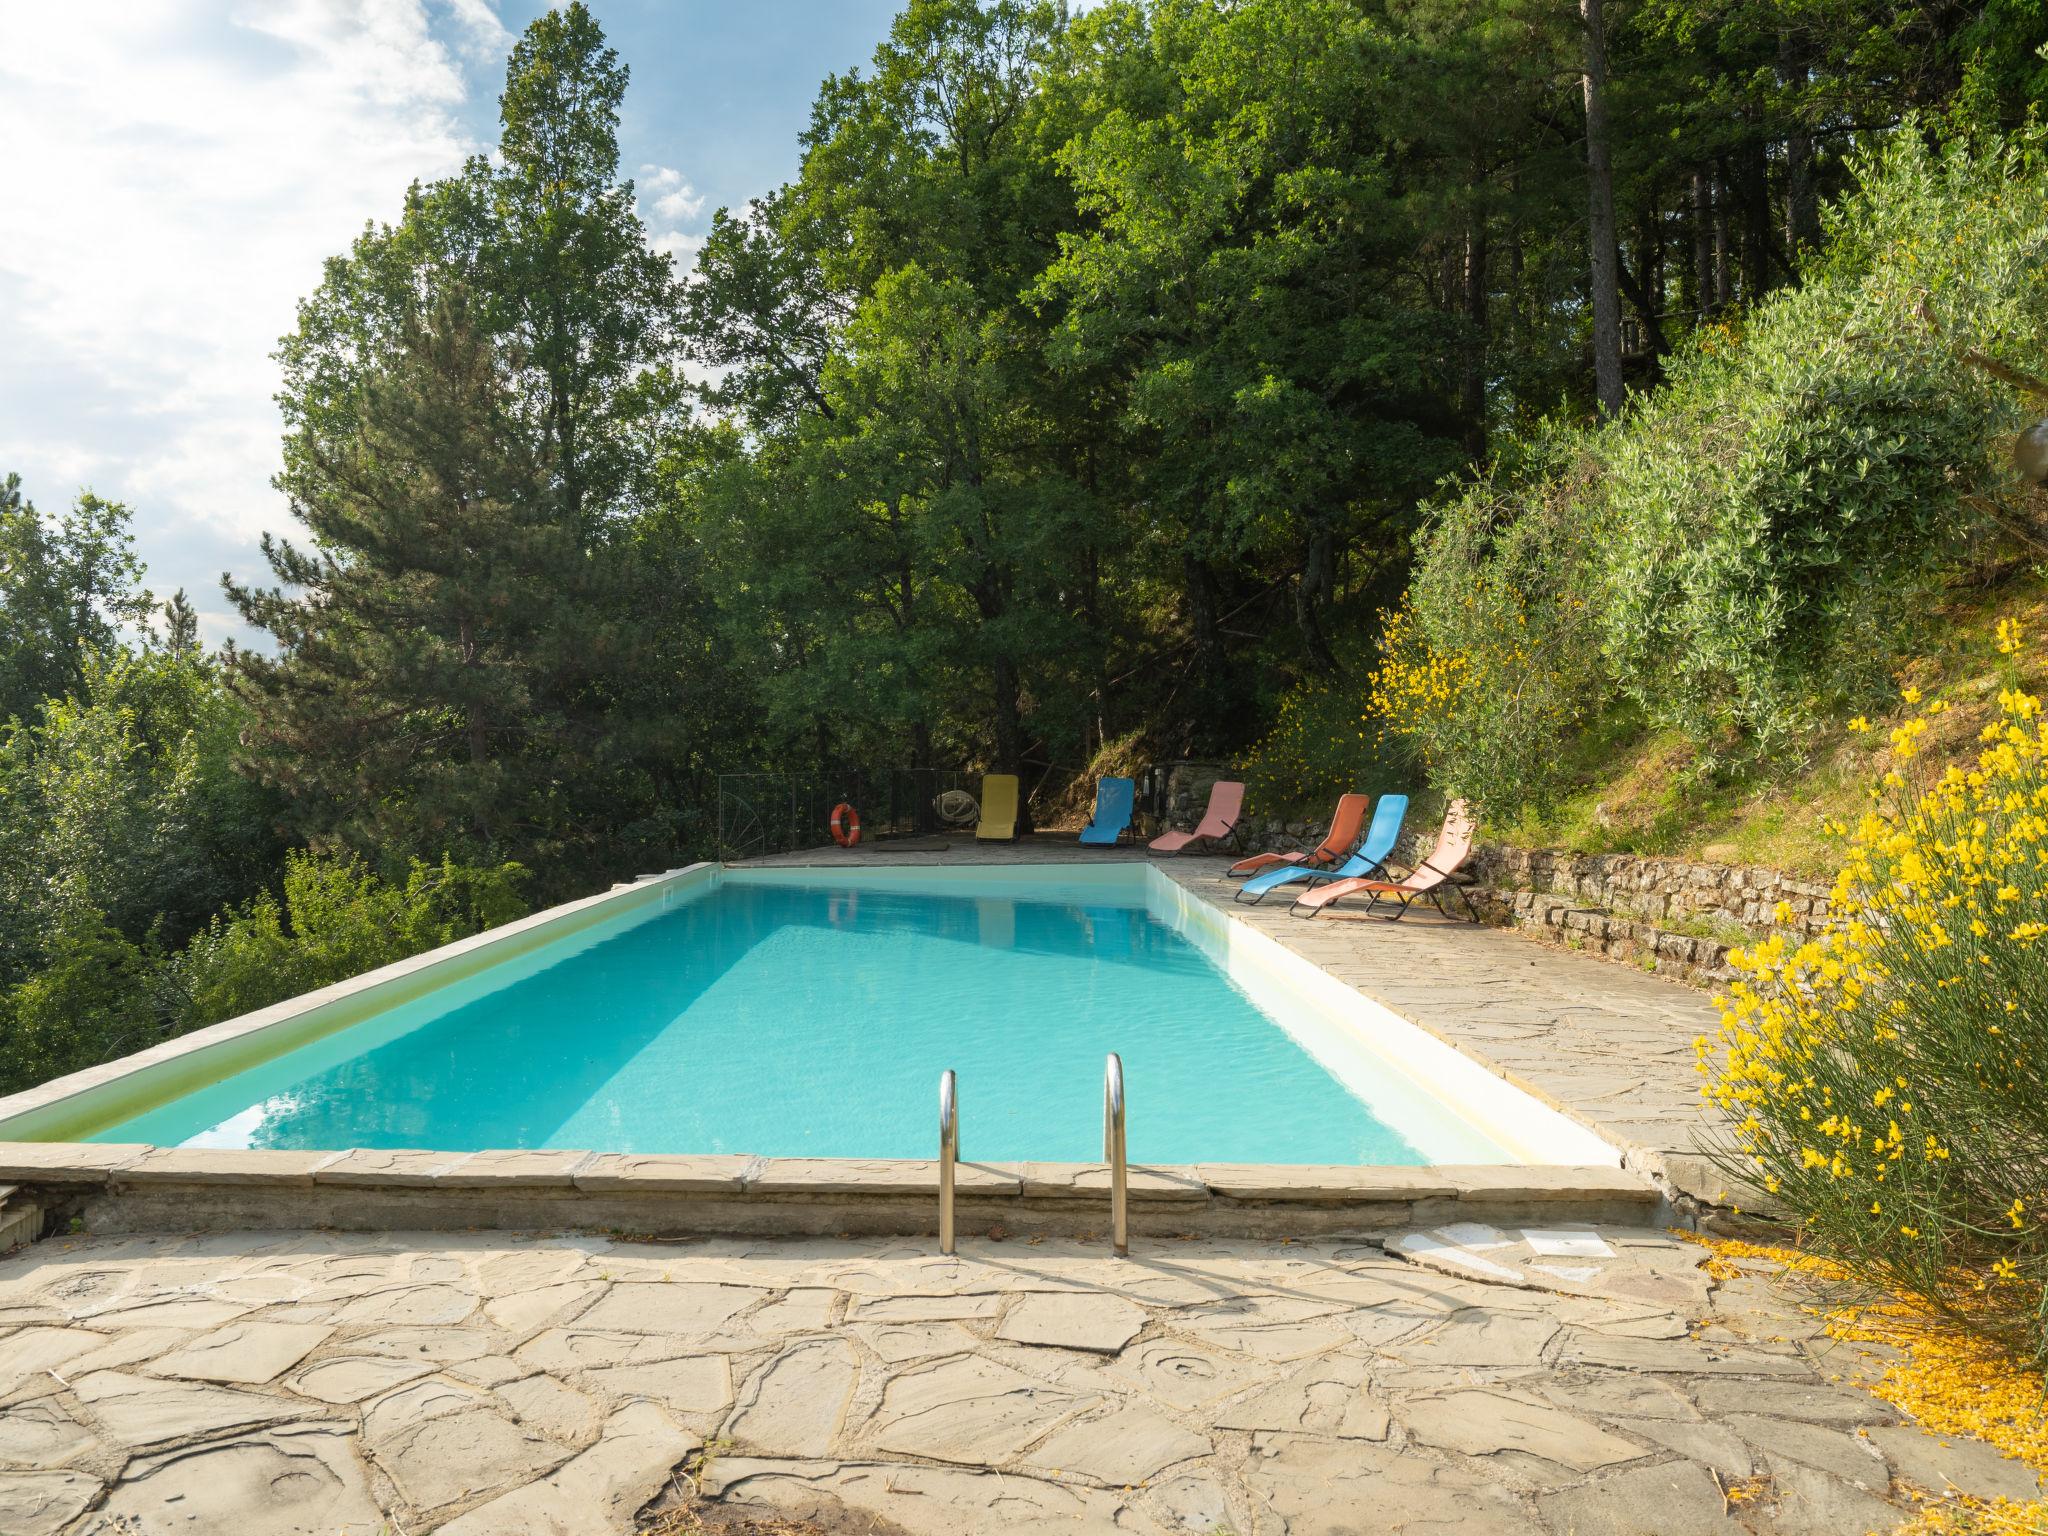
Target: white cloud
point(482, 35)
point(676, 201)
point(175, 172)
point(679, 206)
point(679, 245)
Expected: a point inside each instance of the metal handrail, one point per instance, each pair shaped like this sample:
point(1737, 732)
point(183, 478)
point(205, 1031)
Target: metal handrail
point(1113, 1154)
point(949, 1154)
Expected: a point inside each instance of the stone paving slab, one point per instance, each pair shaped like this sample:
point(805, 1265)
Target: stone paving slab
point(489, 1384)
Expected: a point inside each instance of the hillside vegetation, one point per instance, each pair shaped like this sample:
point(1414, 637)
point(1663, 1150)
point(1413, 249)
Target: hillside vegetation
point(1671, 631)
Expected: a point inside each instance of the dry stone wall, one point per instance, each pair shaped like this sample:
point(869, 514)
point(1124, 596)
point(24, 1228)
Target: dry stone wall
point(1661, 890)
point(1670, 915)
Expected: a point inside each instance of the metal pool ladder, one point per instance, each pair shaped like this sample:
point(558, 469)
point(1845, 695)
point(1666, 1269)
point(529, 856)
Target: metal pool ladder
point(949, 1154)
point(1112, 1153)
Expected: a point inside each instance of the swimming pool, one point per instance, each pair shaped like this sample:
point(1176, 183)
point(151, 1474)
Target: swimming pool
point(808, 1012)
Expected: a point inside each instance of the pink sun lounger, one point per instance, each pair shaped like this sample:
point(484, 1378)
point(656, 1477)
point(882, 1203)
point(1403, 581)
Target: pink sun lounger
point(1226, 804)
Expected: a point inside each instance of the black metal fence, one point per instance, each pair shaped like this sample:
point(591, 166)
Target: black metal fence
point(763, 813)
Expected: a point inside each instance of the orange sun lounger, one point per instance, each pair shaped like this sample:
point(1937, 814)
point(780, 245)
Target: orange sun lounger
point(1347, 823)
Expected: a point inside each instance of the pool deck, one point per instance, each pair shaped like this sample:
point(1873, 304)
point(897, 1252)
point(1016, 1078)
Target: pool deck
point(1469, 1382)
point(1606, 1044)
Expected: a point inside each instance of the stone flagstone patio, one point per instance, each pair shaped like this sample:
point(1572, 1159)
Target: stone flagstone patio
point(1473, 1381)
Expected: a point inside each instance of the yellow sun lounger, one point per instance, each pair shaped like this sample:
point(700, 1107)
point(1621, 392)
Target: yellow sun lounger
point(998, 808)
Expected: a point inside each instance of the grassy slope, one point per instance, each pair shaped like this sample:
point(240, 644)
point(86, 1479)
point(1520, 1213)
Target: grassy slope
point(1637, 796)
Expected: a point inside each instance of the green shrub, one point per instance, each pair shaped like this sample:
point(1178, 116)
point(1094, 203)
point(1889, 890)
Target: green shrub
point(93, 999)
point(1776, 516)
point(124, 798)
point(1323, 744)
point(1495, 656)
point(337, 920)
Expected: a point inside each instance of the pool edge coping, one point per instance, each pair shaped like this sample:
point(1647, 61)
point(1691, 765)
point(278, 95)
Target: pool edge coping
point(115, 1188)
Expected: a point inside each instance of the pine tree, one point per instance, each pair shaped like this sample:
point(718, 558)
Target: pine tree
point(414, 702)
point(566, 263)
point(181, 625)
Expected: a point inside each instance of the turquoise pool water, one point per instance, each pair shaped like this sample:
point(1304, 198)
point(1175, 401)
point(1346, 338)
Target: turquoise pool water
point(814, 1021)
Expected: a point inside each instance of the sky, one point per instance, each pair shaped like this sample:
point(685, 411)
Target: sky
point(173, 173)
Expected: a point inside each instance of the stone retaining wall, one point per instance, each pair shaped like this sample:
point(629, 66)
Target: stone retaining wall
point(1673, 916)
point(1660, 891)
point(1668, 915)
point(1690, 957)
point(1187, 791)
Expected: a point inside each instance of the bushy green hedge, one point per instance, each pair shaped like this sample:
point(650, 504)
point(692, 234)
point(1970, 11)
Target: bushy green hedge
point(1779, 512)
point(1321, 745)
point(1753, 542)
point(337, 920)
point(97, 995)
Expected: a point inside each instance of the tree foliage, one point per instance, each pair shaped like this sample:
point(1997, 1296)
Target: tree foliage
point(1759, 541)
point(67, 585)
point(482, 651)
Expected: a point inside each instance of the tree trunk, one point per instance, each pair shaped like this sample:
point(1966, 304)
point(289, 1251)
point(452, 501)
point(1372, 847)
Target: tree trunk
point(1607, 383)
point(1473, 385)
point(1312, 591)
point(1802, 194)
point(1754, 188)
point(1645, 304)
point(1198, 584)
point(991, 598)
point(1705, 295)
point(1724, 272)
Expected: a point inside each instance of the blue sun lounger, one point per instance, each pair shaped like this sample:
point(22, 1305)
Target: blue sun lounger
point(1372, 853)
point(1113, 799)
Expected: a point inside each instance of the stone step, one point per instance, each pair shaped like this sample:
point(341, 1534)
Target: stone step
point(21, 1223)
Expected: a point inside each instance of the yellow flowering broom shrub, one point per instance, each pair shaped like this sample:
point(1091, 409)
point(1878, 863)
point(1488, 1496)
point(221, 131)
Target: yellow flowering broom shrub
point(1889, 1082)
point(1492, 658)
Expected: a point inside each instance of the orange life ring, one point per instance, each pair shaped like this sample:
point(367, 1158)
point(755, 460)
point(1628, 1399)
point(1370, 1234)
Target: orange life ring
point(845, 825)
